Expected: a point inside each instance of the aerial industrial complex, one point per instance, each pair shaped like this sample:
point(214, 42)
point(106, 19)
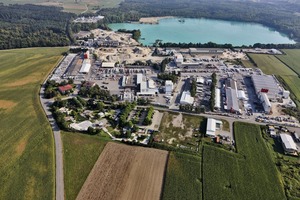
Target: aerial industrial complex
point(195, 80)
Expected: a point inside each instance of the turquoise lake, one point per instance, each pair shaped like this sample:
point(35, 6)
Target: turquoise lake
point(205, 30)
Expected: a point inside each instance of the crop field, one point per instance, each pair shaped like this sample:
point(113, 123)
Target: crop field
point(76, 6)
point(27, 146)
point(126, 172)
point(179, 129)
point(80, 154)
point(183, 177)
point(291, 59)
point(271, 65)
point(249, 174)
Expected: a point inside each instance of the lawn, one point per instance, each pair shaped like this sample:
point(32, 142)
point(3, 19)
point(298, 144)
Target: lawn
point(179, 129)
point(249, 174)
point(183, 177)
point(27, 146)
point(291, 59)
point(80, 154)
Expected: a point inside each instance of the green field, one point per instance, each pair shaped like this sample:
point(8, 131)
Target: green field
point(291, 59)
point(269, 64)
point(250, 174)
point(183, 177)
point(73, 6)
point(80, 154)
point(27, 146)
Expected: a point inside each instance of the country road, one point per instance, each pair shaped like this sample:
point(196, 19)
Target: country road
point(59, 172)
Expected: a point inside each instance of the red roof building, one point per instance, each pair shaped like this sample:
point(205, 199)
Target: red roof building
point(65, 88)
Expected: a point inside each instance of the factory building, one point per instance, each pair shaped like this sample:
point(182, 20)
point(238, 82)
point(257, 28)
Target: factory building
point(212, 126)
point(146, 87)
point(205, 51)
point(108, 65)
point(266, 84)
point(288, 144)
point(186, 98)
point(265, 102)
point(178, 58)
point(232, 104)
point(168, 87)
point(217, 99)
point(86, 65)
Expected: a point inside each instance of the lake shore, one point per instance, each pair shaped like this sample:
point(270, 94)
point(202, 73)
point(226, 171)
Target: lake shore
point(152, 20)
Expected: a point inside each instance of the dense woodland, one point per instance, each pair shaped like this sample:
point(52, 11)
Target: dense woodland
point(281, 15)
point(24, 26)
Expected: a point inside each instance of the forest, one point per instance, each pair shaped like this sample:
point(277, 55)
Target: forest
point(281, 16)
point(28, 25)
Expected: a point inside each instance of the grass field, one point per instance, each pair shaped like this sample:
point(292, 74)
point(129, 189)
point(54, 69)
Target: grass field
point(291, 59)
point(27, 148)
point(271, 65)
point(249, 174)
point(247, 64)
point(80, 154)
point(183, 177)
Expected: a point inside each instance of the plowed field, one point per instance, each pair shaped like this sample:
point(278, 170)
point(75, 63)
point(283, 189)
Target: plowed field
point(126, 172)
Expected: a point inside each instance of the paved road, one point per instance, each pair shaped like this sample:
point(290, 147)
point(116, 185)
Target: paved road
point(59, 172)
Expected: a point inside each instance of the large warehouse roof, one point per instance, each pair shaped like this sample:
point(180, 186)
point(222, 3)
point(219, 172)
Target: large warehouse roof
point(86, 65)
point(218, 98)
point(288, 141)
point(186, 98)
point(266, 82)
point(231, 100)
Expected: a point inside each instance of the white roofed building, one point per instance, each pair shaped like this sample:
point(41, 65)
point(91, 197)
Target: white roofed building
point(217, 99)
point(108, 65)
point(168, 87)
point(232, 103)
point(86, 65)
point(265, 102)
point(186, 98)
point(288, 144)
point(212, 126)
point(178, 58)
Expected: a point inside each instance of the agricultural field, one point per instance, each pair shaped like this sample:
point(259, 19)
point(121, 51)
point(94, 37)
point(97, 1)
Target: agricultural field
point(183, 177)
point(179, 129)
point(80, 154)
point(249, 174)
point(287, 165)
point(76, 6)
point(271, 65)
point(291, 59)
point(247, 64)
point(27, 145)
point(118, 171)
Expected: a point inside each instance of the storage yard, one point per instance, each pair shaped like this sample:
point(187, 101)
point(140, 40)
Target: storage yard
point(118, 171)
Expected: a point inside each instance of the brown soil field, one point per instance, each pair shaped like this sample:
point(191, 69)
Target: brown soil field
point(5, 104)
point(127, 173)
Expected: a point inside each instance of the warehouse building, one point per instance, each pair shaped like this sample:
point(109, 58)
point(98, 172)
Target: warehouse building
point(86, 65)
point(178, 58)
point(288, 144)
point(212, 126)
point(108, 65)
point(186, 98)
point(232, 104)
point(266, 84)
point(145, 87)
point(168, 87)
point(205, 51)
point(217, 99)
point(265, 102)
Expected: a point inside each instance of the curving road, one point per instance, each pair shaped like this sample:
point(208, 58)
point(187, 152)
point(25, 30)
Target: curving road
point(59, 170)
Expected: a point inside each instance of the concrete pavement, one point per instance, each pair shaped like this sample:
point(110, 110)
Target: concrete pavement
point(59, 172)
